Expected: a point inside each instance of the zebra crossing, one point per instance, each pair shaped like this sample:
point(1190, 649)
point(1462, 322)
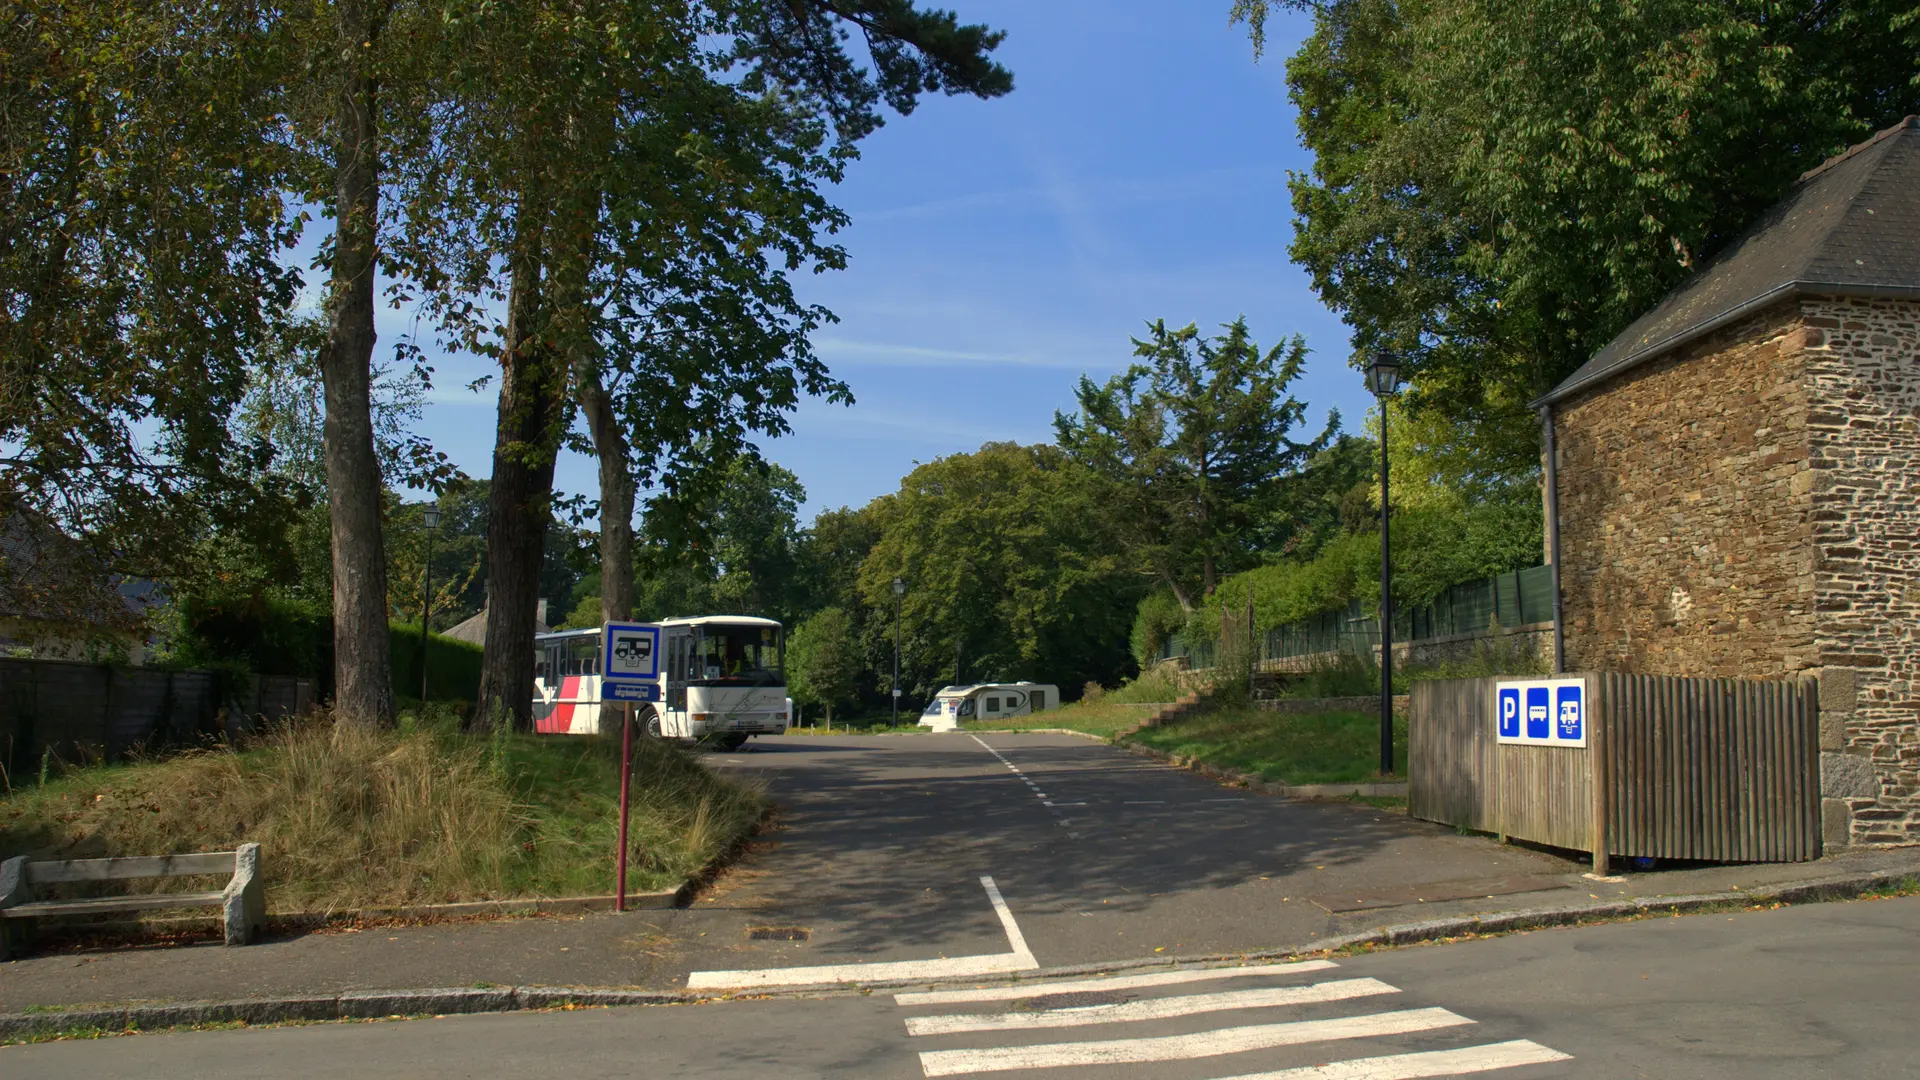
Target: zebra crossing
point(1329, 1028)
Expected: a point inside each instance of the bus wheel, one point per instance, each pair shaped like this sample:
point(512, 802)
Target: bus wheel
point(650, 723)
point(732, 742)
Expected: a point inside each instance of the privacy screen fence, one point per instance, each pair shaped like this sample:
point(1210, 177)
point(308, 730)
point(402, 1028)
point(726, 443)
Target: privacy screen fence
point(1515, 599)
point(73, 713)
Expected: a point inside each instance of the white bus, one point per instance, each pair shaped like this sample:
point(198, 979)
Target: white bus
point(955, 705)
point(724, 682)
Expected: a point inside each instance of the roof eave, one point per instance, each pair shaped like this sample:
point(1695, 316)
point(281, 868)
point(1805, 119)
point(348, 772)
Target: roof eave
point(1707, 326)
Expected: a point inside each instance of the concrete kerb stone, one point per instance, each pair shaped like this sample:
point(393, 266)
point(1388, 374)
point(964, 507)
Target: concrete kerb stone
point(359, 1005)
point(434, 1002)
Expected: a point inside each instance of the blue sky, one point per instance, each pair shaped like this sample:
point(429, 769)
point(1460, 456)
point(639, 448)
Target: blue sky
point(1001, 248)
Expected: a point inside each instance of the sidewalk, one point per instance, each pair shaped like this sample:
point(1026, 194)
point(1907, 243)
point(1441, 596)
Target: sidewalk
point(874, 883)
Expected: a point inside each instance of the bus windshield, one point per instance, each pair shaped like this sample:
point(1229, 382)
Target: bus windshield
point(735, 655)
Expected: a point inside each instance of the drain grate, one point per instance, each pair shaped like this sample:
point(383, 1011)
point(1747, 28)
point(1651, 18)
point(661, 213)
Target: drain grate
point(1073, 1001)
point(779, 933)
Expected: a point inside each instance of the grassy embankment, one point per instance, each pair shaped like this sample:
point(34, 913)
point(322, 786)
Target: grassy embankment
point(1309, 748)
point(350, 818)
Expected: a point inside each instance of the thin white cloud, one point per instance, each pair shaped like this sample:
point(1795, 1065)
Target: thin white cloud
point(844, 350)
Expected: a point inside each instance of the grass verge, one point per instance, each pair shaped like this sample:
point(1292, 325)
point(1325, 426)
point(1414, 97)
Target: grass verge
point(349, 818)
point(1310, 748)
point(1104, 718)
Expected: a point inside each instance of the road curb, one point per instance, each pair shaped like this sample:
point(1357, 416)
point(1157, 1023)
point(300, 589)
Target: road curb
point(381, 1004)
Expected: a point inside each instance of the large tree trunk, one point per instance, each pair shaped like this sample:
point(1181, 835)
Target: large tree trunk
point(363, 678)
point(616, 491)
point(526, 442)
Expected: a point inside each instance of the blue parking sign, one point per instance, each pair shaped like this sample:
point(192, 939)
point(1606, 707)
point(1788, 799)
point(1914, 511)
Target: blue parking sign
point(1569, 725)
point(1509, 712)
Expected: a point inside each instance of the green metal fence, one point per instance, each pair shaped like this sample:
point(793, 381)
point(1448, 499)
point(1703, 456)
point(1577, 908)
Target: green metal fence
point(1515, 599)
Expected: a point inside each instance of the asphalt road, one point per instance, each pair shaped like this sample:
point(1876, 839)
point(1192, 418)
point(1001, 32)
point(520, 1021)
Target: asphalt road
point(1818, 991)
point(1099, 855)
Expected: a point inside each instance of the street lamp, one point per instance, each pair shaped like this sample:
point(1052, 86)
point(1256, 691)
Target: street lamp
point(1383, 378)
point(899, 590)
point(432, 518)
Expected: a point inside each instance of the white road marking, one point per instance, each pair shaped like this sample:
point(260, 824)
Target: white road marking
point(1020, 990)
point(1019, 958)
point(1144, 802)
point(1066, 804)
point(1184, 1047)
point(1467, 1059)
point(1152, 1009)
point(1016, 941)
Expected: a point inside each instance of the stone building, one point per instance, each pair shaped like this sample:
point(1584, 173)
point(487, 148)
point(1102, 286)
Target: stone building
point(1737, 478)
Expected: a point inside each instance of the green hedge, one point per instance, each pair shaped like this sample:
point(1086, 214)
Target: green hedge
point(453, 666)
point(280, 637)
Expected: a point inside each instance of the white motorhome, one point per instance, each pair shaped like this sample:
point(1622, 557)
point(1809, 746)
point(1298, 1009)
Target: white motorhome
point(723, 679)
point(954, 705)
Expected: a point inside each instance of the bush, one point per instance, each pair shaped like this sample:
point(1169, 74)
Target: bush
point(1092, 692)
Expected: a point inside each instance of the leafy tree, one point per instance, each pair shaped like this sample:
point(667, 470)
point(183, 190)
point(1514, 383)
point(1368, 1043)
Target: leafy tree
point(829, 556)
point(142, 227)
point(1308, 507)
point(1190, 444)
point(1009, 558)
point(708, 343)
point(1500, 186)
point(824, 661)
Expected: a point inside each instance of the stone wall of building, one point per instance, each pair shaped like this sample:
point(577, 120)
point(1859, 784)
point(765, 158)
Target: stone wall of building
point(1862, 365)
point(1685, 506)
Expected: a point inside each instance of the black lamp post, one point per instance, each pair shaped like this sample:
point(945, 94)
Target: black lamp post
point(1383, 378)
point(432, 518)
point(899, 590)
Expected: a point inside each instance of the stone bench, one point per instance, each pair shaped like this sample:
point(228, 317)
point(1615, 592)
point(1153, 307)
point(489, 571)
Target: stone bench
point(242, 903)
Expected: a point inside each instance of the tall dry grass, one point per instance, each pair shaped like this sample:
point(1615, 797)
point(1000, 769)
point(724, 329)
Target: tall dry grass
point(350, 818)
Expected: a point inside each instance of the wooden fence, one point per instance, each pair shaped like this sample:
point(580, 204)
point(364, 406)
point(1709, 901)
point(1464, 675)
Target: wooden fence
point(1674, 768)
point(96, 712)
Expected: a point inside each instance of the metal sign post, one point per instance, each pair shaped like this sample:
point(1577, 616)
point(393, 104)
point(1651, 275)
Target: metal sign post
point(629, 672)
point(626, 783)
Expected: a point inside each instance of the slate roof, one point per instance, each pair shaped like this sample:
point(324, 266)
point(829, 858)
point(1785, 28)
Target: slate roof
point(45, 576)
point(1850, 227)
point(474, 630)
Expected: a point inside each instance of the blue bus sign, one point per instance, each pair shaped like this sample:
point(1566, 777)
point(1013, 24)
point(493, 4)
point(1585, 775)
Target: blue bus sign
point(1541, 712)
point(630, 691)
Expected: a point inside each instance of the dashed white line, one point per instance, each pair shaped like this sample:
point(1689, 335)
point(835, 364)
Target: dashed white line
point(1467, 1059)
point(1153, 1009)
point(1183, 1047)
point(1017, 991)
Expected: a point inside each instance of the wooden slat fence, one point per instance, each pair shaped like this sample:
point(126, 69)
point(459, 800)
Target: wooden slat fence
point(1675, 768)
point(97, 712)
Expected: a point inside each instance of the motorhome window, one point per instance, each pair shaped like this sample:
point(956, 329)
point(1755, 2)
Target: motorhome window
point(966, 708)
point(726, 654)
point(933, 708)
point(993, 704)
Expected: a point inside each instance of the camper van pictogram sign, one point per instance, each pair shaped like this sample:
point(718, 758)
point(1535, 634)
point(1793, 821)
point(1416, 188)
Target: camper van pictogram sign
point(632, 652)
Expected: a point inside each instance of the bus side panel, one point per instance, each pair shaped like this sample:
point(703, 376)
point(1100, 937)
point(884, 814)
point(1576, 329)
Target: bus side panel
point(555, 717)
point(588, 709)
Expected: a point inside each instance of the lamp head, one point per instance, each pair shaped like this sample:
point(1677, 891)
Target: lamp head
point(899, 588)
point(432, 516)
point(1383, 374)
